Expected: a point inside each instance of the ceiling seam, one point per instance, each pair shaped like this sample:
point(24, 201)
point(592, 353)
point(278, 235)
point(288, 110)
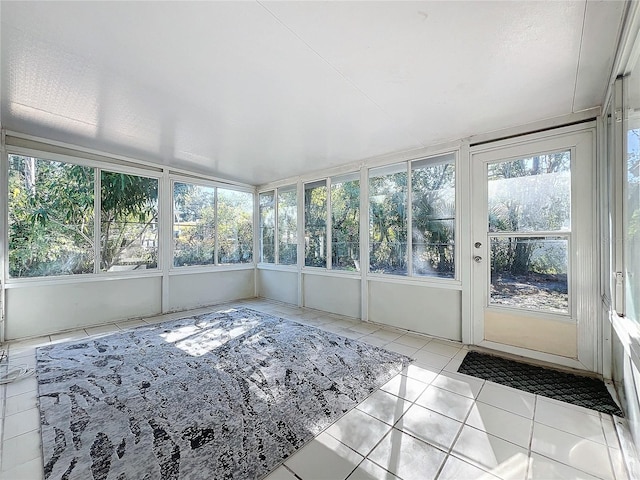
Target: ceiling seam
point(575, 85)
point(335, 69)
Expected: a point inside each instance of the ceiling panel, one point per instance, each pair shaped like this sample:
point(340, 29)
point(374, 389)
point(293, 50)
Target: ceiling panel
point(261, 91)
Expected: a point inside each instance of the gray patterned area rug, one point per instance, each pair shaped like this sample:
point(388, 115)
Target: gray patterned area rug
point(229, 394)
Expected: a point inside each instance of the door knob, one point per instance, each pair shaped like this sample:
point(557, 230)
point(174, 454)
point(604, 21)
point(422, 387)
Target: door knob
point(477, 258)
point(477, 244)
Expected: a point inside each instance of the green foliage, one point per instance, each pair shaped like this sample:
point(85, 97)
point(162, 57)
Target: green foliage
point(128, 217)
point(287, 227)
point(50, 218)
point(315, 219)
point(529, 194)
point(267, 228)
point(195, 225)
point(345, 222)
point(388, 223)
point(433, 219)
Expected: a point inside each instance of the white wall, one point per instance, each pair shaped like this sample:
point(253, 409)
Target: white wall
point(200, 289)
point(419, 308)
point(340, 295)
point(278, 285)
point(44, 309)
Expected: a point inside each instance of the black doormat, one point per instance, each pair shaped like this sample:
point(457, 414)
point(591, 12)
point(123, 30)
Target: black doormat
point(583, 391)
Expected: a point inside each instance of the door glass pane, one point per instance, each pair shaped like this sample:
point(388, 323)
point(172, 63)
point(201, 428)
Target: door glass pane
point(530, 194)
point(530, 272)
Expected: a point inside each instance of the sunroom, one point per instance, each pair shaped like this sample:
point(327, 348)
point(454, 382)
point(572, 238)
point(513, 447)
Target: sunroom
point(268, 239)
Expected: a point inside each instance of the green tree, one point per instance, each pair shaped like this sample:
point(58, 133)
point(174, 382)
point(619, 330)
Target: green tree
point(51, 217)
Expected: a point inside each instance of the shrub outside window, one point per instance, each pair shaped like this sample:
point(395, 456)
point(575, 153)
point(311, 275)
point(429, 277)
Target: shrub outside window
point(193, 225)
point(51, 218)
point(235, 226)
point(388, 219)
point(315, 224)
point(267, 227)
point(345, 222)
point(433, 204)
point(52, 215)
point(129, 222)
point(287, 226)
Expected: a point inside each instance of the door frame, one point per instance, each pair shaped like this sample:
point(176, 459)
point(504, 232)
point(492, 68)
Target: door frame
point(584, 275)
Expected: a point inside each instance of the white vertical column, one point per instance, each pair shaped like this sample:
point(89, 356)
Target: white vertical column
point(4, 215)
point(329, 226)
point(408, 204)
point(165, 233)
point(364, 242)
point(257, 240)
point(300, 241)
point(97, 217)
point(463, 238)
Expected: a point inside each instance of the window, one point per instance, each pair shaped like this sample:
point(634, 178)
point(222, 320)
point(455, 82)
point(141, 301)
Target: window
point(433, 207)
point(345, 222)
point(211, 225)
point(388, 219)
point(51, 218)
point(235, 226)
point(631, 198)
point(315, 224)
point(267, 227)
point(287, 226)
point(193, 225)
point(128, 222)
point(429, 211)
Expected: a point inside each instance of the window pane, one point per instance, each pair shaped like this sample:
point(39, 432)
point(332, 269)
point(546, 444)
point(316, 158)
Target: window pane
point(315, 224)
point(433, 203)
point(530, 273)
point(531, 194)
point(193, 224)
point(51, 218)
point(287, 226)
point(235, 231)
point(129, 222)
point(267, 228)
point(345, 222)
point(632, 226)
point(388, 221)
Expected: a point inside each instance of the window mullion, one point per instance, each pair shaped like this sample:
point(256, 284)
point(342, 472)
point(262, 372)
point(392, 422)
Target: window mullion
point(409, 223)
point(329, 226)
point(216, 243)
point(276, 228)
point(97, 218)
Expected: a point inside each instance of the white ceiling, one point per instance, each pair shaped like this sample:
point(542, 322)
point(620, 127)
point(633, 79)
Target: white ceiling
point(260, 91)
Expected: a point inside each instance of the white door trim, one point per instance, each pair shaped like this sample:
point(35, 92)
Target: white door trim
point(584, 265)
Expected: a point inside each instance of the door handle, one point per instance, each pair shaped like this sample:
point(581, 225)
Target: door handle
point(477, 258)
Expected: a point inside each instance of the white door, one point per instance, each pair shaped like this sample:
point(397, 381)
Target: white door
point(533, 248)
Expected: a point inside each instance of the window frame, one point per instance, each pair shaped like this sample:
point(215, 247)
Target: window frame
point(440, 282)
point(275, 191)
point(98, 167)
point(215, 266)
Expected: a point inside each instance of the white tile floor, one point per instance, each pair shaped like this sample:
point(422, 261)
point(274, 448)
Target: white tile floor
point(428, 422)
